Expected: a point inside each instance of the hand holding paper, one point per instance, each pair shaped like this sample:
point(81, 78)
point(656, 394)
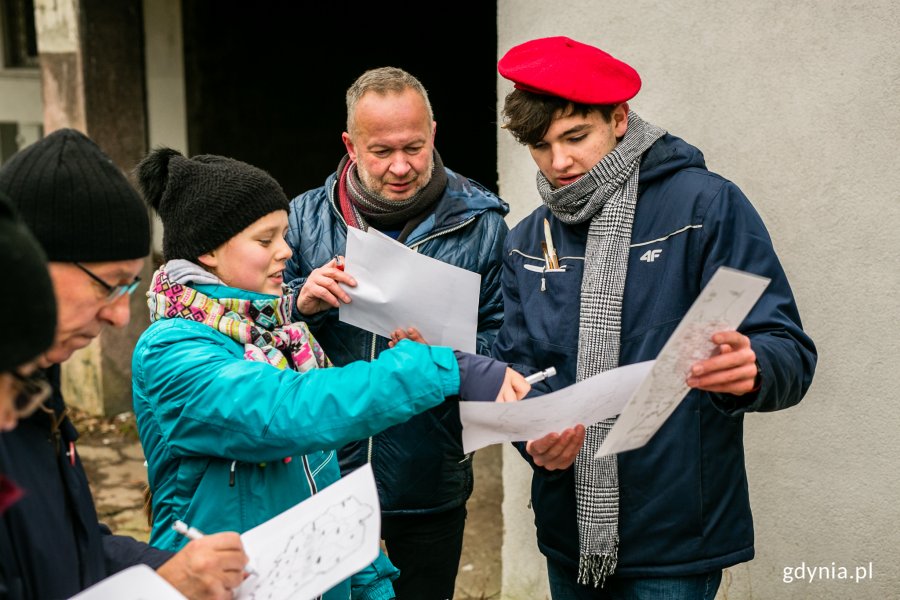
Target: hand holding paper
point(722, 305)
point(322, 288)
point(556, 451)
point(732, 370)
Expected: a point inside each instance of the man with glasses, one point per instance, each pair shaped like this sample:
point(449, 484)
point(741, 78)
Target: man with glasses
point(95, 231)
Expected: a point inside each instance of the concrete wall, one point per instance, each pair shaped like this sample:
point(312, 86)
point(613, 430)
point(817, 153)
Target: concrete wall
point(166, 106)
point(798, 104)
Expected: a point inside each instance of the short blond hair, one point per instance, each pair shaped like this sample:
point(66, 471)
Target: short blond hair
point(381, 81)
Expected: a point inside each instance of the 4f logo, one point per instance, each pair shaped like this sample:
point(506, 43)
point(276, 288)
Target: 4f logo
point(651, 255)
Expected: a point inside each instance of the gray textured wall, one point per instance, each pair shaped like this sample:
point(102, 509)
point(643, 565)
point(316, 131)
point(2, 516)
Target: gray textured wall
point(798, 104)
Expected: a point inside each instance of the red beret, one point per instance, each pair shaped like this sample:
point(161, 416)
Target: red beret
point(559, 66)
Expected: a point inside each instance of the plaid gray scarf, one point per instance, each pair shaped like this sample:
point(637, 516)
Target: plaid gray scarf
point(607, 195)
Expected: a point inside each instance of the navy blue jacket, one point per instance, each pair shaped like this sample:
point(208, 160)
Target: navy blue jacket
point(419, 465)
point(51, 545)
point(684, 505)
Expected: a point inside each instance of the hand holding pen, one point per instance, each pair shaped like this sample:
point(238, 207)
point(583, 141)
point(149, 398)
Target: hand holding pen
point(193, 533)
point(210, 566)
point(322, 289)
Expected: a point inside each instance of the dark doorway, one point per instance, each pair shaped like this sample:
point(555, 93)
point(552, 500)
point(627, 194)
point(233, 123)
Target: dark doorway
point(266, 81)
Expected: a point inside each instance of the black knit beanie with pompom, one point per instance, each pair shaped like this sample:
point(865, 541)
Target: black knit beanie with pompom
point(205, 200)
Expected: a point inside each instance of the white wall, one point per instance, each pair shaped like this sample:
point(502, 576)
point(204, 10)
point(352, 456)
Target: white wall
point(798, 104)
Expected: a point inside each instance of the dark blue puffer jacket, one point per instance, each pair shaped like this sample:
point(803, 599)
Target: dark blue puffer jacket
point(684, 504)
point(419, 465)
point(51, 544)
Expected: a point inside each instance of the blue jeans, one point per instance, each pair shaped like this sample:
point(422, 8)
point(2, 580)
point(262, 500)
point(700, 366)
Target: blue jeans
point(563, 586)
point(426, 548)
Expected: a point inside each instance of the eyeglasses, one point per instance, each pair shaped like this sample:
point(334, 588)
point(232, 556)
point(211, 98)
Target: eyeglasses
point(33, 390)
point(113, 292)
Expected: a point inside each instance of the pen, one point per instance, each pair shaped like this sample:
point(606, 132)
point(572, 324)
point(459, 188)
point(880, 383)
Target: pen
point(192, 533)
point(551, 249)
point(541, 375)
point(338, 263)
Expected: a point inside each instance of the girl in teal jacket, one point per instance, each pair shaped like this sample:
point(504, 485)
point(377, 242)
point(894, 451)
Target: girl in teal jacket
point(237, 413)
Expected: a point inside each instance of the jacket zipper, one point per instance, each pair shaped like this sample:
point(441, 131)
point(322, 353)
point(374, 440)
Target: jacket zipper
point(309, 476)
point(412, 247)
point(456, 227)
point(371, 442)
point(415, 248)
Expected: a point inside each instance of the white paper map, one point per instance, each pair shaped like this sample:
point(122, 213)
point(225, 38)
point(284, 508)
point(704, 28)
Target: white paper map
point(298, 555)
point(586, 402)
point(722, 305)
point(400, 288)
point(309, 548)
point(134, 583)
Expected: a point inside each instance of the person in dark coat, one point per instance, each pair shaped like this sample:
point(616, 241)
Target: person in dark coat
point(30, 307)
point(392, 178)
point(635, 226)
point(95, 231)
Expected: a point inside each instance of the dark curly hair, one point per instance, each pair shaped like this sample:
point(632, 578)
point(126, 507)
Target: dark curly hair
point(528, 115)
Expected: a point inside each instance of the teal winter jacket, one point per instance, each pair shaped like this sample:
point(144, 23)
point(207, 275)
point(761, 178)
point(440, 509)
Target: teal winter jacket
point(231, 443)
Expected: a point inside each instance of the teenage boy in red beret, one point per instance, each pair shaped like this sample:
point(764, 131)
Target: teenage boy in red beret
point(639, 225)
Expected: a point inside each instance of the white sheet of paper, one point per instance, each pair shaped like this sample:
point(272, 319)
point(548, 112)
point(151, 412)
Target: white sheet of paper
point(400, 288)
point(139, 582)
point(586, 402)
point(722, 305)
point(321, 541)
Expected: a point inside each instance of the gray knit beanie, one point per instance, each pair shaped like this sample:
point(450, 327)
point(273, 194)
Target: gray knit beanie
point(206, 200)
point(76, 201)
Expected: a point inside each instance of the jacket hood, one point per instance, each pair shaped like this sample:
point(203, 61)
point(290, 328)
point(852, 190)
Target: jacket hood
point(668, 155)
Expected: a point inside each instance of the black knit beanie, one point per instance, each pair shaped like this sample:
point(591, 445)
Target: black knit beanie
point(27, 305)
point(206, 200)
point(76, 201)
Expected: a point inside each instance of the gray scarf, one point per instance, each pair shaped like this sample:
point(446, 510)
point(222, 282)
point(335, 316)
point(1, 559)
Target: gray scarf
point(607, 195)
point(361, 207)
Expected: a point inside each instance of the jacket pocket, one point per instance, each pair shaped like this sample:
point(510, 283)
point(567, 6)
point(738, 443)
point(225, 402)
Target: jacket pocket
point(548, 297)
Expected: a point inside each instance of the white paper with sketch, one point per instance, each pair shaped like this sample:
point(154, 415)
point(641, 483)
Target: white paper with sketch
point(586, 402)
point(722, 305)
point(139, 582)
point(399, 288)
point(311, 547)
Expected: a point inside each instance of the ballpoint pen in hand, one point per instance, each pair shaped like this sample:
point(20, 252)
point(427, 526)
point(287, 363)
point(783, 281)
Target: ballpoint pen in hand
point(192, 533)
point(541, 375)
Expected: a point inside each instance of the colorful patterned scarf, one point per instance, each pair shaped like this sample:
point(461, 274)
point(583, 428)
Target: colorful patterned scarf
point(263, 326)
